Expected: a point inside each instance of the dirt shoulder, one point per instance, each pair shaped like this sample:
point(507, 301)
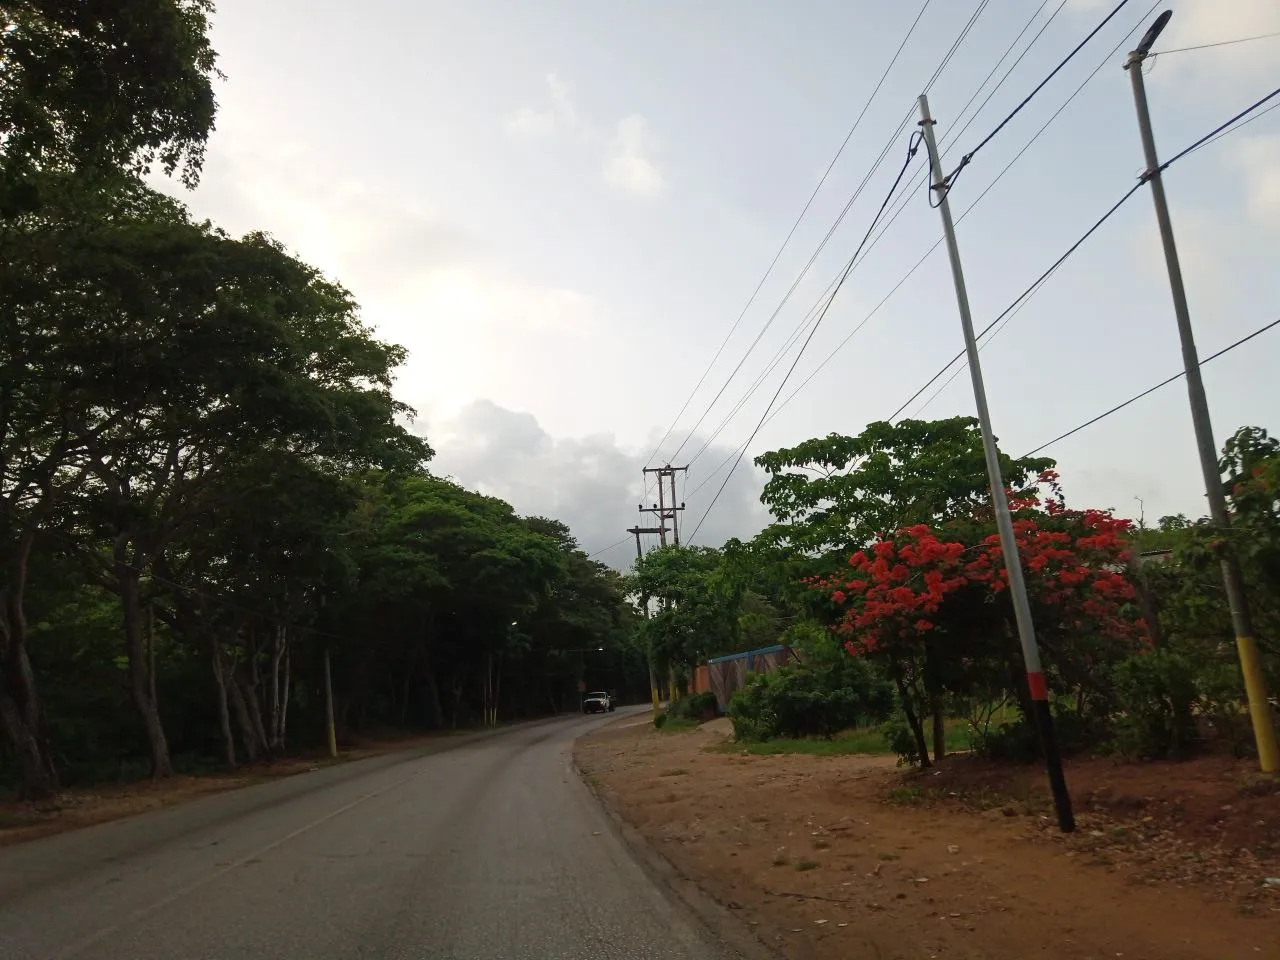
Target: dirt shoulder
point(811, 852)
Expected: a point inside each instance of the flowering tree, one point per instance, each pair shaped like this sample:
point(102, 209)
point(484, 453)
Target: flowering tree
point(931, 603)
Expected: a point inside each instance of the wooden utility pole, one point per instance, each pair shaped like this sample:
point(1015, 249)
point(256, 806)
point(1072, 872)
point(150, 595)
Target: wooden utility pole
point(664, 508)
point(644, 605)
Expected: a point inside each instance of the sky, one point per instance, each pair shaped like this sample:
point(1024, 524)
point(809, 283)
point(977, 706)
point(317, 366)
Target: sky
point(562, 208)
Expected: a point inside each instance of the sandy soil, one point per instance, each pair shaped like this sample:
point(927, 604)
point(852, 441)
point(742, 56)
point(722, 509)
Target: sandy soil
point(850, 857)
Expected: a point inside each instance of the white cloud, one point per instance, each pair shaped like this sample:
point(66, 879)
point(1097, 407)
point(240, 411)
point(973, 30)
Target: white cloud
point(1259, 161)
point(630, 166)
point(591, 483)
point(529, 122)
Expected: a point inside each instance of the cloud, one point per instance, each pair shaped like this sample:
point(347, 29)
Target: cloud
point(530, 122)
point(1259, 160)
point(629, 166)
point(591, 483)
point(628, 162)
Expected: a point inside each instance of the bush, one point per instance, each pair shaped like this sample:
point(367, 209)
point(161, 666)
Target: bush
point(1157, 692)
point(695, 706)
point(810, 701)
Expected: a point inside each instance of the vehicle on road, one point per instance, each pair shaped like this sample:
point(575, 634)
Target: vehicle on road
point(598, 702)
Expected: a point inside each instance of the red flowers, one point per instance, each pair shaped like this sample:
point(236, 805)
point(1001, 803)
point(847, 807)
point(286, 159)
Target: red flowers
point(1073, 562)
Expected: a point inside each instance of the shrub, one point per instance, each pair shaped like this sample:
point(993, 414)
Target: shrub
point(695, 706)
point(805, 700)
point(1157, 692)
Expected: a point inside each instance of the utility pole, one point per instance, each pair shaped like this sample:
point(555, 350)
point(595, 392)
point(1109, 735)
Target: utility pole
point(644, 604)
point(664, 509)
point(1004, 521)
point(1246, 646)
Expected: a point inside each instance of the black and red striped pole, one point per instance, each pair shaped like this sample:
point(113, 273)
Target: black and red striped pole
point(1004, 521)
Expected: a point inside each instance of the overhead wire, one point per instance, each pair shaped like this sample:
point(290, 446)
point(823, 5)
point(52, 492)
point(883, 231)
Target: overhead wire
point(1152, 389)
point(912, 147)
point(937, 73)
point(1212, 135)
point(802, 325)
point(790, 233)
point(968, 157)
point(1220, 43)
point(937, 243)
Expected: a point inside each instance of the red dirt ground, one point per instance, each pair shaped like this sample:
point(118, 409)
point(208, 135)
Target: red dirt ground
point(962, 862)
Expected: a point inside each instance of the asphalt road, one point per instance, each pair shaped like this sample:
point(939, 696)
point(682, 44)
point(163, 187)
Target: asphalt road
point(492, 849)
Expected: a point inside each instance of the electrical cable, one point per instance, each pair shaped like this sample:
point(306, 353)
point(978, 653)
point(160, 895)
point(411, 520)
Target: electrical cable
point(1220, 43)
point(804, 272)
point(612, 546)
point(938, 71)
point(1150, 390)
point(1217, 132)
point(790, 233)
point(912, 147)
point(1013, 66)
point(968, 157)
point(937, 243)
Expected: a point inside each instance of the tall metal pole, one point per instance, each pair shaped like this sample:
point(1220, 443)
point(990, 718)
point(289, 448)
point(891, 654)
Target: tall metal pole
point(644, 604)
point(1004, 521)
point(1255, 686)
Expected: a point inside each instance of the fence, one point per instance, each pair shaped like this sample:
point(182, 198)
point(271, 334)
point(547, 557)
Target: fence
point(727, 675)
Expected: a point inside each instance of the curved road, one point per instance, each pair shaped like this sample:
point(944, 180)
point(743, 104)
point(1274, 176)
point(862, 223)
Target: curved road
point(487, 847)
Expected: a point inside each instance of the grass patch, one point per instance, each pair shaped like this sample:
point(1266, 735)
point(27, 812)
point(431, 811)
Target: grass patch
point(678, 772)
point(806, 864)
point(889, 856)
point(678, 725)
point(867, 740)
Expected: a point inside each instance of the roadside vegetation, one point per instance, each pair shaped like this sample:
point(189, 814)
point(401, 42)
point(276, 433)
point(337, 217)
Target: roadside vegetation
point(882, 569)
point(212, 509)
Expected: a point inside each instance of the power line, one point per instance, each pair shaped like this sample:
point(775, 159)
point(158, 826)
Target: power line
point(1220, 43)
point(786, 297)
point(1150, 390)
point(612, 546)
point(938, 71)
point(790, 233)
point(1013, 66)
point(912, 147)
point(968, 157)
point(937, 243)
point(1217, 132)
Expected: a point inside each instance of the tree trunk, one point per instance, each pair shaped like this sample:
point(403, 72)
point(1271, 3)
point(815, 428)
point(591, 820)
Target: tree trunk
point(248, 736)
point(139, 674)
point(913, 721)
point(224, 714)
point(284, 696)
point(1147, 602)
point(255, 716)
point(434, 705)
point(21, 714)
point(939, 730)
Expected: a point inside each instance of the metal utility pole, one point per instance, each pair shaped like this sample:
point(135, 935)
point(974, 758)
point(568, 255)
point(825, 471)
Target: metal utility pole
point(1246, 646)
point(644, 604)
point(1004, 521)
point(664, 509)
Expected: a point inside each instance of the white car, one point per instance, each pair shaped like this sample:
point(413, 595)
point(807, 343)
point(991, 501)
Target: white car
point(598, 702)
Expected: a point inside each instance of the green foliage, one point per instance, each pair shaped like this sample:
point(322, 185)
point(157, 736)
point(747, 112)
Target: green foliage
point(693, 707)
point(804, 700)
point(1158, 690)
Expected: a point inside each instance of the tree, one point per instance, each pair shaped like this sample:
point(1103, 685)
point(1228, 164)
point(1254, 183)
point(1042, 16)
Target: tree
point(102, 86)
point(697, 607)
point(931, 603)
point(834, 494)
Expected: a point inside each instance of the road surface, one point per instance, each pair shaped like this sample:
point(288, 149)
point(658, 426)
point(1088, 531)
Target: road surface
point(492, 849)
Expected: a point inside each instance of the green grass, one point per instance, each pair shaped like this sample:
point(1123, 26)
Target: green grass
point(868, 740)
point(678, 725)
